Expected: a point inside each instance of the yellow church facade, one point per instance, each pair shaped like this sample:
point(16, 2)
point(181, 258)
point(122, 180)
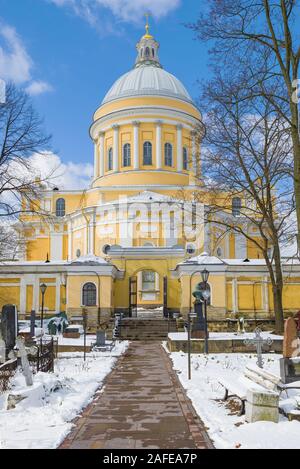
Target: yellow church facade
point(134, 237)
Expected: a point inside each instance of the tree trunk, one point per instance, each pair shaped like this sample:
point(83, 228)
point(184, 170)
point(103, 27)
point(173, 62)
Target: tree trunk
point(278, 310)
point(295, 133)
point(277, 291)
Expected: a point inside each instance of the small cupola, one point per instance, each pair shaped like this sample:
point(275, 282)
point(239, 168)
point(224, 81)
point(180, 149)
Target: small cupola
point(147, 49)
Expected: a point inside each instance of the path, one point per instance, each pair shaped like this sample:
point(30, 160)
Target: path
point(143, 405)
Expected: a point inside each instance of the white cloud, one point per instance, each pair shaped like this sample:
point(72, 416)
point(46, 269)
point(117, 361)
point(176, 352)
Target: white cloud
point(68, 176)
point(38, 87)
point(125, 10)
point(15, 63)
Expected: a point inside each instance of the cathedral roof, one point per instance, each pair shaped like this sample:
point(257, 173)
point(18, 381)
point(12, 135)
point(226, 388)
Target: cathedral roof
point(148, 78)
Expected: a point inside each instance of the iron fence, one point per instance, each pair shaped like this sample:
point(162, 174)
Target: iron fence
point(7, 372)
point(43, 359)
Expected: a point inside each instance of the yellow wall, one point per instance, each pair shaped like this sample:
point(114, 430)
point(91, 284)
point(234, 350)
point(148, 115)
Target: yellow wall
point(9, 294)
point(144, 101)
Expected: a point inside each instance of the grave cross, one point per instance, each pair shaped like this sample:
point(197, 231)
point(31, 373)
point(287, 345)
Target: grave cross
point(258, 342)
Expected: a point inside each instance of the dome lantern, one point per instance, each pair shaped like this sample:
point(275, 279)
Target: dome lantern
point(147, 49)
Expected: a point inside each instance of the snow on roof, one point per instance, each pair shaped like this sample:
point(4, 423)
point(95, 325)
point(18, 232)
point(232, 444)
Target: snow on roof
point(89, 259)
point(204, 258)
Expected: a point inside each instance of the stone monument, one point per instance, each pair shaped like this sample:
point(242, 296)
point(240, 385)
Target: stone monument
point(9, 322)
point(198, 326)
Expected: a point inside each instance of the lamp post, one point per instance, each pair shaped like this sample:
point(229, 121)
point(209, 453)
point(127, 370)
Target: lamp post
point(43, 289)
point(190, 316)
point(206, 296)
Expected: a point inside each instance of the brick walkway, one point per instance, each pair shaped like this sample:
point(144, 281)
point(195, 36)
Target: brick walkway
point(143, 405)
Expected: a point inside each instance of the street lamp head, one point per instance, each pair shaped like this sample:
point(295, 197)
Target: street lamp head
point(206, 294)
point(205, 275)
point(43, 288)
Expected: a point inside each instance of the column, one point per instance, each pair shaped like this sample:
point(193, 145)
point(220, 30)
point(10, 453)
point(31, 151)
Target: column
point(235, 305)
point(23, 288)
point(101, 153)
point(92, 234)
point(194, 152)
point(158, 144)
point(116, 148)
point(96, 159)
point(70, 240)
point(136, 145)
point(179, 148)
point(36, 295)
point(57, 295)
point(265, 289)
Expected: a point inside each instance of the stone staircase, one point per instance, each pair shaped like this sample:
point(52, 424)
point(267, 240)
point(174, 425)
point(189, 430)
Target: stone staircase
point(146, 329)
point(143, 313)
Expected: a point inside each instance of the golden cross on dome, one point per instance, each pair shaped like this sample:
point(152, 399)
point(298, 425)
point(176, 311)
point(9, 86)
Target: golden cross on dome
point(147, 15)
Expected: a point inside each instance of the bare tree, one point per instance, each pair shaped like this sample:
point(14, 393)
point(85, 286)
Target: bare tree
point(21, 135)
point(247, 165)
point(11, 244)
point(245, 33)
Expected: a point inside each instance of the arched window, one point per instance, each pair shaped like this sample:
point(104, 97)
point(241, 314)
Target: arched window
point(147, 154)
point(206, 286)
point(168, 154)
point(147, 52)
point(126, 155)
point(110, 159)
point(89, 293)
point(153, 53)
point(185, 158)
point(60, 208)
point(236, 206)
point(148, 280)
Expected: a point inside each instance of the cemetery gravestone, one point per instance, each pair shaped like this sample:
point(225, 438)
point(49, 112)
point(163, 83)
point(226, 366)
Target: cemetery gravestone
point(9, 322)
point(290, 341)
point(2, 351)
point(290, 363)
point(24, 361)
point(100, 338)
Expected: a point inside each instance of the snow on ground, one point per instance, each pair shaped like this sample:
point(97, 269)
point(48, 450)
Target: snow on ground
point(225, 336)
point(205, 392)
point(44, 418)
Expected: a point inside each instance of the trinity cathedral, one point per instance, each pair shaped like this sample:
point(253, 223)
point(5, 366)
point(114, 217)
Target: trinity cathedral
point(133, 239)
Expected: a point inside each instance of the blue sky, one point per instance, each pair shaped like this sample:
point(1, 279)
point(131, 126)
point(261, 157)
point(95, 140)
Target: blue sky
point(67, 54)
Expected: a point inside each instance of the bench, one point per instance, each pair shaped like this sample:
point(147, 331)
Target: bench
point(108, 347)
point(269, 380)
point(256, 379)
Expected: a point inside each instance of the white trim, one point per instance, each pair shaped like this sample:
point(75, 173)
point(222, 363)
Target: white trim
point(57, 294)
point(135, 111)
point(36, 295)
point(235, 298)
point(2, 284)
point(96, 160)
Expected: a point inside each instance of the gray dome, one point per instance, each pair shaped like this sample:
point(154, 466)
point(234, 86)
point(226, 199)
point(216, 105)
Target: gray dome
point(147, 80)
